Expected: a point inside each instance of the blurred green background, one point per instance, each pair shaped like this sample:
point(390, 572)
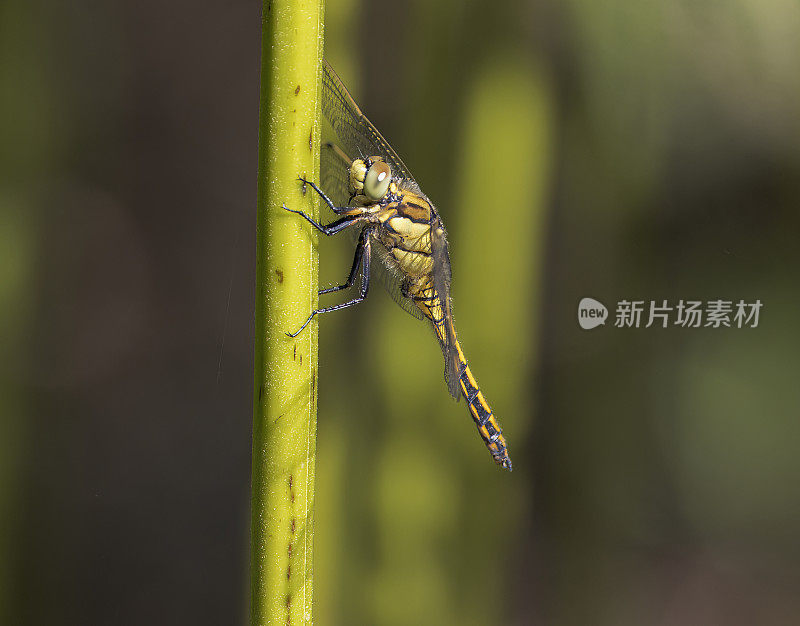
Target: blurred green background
point(618, 150)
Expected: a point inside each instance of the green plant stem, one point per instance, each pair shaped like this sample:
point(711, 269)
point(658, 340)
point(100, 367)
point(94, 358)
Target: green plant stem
point(284, 417)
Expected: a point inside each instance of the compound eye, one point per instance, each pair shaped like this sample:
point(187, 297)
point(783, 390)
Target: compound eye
point(376, 183)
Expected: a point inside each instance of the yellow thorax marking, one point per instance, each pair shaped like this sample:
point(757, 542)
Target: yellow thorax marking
point(408, 228)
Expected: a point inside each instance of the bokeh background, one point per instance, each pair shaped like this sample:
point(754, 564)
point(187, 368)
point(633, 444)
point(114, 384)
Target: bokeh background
point(619, 150)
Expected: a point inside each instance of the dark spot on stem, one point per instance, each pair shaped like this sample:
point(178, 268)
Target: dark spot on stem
point(279, 272)
point(288, 572)
point(297, 91)
point(311, 140)
point(293, 524)
point(294, 355)
point(301, 359)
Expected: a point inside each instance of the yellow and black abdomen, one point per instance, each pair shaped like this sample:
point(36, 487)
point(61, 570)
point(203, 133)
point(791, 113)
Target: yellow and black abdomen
point(407, 236)
point(482, 414)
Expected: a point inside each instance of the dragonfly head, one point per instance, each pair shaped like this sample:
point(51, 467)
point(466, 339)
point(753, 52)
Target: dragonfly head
point(370, 179)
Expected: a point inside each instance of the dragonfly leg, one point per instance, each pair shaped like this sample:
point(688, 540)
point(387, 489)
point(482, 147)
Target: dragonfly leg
point(362, 241)
point(333, 227)
point(328, 201)
point(364, 286)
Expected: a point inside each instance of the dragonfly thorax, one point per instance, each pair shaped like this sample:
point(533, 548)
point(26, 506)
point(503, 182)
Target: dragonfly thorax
point(370, 179)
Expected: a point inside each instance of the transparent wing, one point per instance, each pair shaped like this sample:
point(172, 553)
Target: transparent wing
point(441, 283)
point(334, 174)
point(350, 130)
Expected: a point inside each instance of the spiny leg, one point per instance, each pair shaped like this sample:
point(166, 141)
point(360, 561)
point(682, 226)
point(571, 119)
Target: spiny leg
point(328, 201)
point(353, 270)
point(365, 243)
point(333, 227)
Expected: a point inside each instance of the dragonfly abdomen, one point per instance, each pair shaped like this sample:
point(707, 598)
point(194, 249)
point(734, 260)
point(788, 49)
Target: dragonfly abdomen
point(482, 414)
point(406, 234)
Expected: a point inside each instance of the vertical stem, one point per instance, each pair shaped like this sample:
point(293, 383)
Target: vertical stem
point(284, 417)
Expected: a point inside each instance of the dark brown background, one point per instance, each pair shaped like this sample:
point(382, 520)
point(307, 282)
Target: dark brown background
point(622, 150)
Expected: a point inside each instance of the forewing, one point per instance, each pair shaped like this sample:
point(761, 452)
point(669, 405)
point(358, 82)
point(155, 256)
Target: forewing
point(334, 173)
point(351, 130)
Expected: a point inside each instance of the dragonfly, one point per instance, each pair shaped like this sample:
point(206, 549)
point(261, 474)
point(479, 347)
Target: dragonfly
point(370, 189)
